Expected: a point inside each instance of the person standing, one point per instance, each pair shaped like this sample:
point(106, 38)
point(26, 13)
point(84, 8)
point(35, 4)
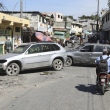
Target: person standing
point(73, 42)
point(8, 46)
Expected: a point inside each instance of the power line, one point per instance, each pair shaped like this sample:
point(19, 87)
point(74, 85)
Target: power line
point(61, 4)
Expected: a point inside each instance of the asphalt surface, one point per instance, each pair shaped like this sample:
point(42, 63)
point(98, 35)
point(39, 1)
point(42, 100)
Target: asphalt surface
point(73, 88)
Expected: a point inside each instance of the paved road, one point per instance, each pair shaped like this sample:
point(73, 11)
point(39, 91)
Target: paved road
point(73, 88)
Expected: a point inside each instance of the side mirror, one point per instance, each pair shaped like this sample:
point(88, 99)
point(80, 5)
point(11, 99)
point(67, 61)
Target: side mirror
point(26, 52)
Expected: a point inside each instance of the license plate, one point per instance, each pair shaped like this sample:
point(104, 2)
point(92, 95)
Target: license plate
point(102, 80)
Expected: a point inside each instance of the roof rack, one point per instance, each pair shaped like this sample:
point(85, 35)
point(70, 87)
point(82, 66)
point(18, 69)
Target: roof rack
point(45, 42)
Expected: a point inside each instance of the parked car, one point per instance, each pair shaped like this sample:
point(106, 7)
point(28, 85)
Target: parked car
point(86, 53)
point(33, 55)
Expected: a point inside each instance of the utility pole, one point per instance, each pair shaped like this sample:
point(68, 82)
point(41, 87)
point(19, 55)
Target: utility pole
point(21, 15)
point(65, 22)
point(98, 16)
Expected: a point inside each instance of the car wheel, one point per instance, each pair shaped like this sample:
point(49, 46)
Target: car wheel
point(12, 69)
point(69, 61)
point(57, 64)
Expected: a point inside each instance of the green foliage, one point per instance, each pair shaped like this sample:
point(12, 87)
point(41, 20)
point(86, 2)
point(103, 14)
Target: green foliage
point(64, 18)
point(71, 17)
point(92, 17)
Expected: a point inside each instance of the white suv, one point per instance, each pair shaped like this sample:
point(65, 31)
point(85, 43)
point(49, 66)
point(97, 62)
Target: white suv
point(33, 55)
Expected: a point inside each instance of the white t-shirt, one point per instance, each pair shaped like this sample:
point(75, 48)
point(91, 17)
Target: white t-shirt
point(72, 41)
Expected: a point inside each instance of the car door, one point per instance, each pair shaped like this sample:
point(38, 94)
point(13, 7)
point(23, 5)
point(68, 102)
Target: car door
point(84, 54)
point(32, 57)
point(98, 50)
point(46, 54)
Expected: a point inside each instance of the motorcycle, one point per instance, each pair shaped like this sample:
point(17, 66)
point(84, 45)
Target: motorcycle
point(72, 45)
point(103, 81)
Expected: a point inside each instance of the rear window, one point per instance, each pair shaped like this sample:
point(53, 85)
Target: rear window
point(56, 47)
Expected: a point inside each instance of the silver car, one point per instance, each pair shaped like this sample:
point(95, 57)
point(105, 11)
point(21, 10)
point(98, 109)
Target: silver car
point(33, 55)
point(87, 53)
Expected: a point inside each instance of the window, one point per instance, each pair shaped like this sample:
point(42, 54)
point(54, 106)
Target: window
point(61, 17)
point(45, 47)
point(34, 49)
point(99, 48)
point(17, 29)
point(58, 16)
point(20, 49)
point(52, 47)
point(108, 16)
point(87, 49)
point(56, 47)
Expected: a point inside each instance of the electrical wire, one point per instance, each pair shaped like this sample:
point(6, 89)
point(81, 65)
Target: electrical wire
point(61, 4)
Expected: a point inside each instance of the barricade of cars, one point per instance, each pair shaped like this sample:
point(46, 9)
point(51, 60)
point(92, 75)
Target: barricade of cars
point(48, 54)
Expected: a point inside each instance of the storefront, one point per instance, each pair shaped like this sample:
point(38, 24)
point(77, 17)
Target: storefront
point(4, 35)
point(10, 28)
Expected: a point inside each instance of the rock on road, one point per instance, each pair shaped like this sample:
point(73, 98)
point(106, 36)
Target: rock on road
point(73, 88)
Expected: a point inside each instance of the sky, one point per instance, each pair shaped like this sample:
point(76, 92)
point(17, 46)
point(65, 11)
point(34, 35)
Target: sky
point(75, 8)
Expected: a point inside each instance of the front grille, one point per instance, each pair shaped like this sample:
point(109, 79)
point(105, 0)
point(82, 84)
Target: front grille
point(3, 61)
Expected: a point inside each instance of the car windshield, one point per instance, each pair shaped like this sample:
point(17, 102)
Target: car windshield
point(20, 49)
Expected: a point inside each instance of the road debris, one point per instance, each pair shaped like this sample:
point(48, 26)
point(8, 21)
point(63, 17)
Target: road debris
point(46, 73)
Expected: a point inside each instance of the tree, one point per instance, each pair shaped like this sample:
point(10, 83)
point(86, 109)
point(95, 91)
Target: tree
point(92, 17)
point(64, 18)
point(71, 17)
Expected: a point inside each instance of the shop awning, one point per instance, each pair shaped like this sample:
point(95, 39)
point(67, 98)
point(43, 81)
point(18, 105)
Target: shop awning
point(42, 37)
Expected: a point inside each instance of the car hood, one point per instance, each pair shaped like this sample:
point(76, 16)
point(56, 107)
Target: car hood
point(5, 56)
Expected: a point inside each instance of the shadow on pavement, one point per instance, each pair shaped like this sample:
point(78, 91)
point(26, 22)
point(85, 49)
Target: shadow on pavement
point(84, 65)
point(87, 88)
point(35, 70)
point(30, 71)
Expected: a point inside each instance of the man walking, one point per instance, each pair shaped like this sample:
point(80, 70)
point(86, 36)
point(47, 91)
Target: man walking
point(8, 46)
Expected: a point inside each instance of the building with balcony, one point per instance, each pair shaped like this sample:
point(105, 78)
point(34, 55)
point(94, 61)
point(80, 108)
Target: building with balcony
point(58, 17)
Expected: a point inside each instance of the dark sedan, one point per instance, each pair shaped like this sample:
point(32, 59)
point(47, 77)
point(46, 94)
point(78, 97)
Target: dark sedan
point(87, 53)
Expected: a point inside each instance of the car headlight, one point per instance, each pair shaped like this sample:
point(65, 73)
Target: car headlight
point(3, 61)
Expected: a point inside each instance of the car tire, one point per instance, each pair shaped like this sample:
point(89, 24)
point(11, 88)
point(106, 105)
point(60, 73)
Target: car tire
point(12, 69)
point(69, 61)
point(57, 64)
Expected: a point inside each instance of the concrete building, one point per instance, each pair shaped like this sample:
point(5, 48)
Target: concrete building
point(106, 25)
point(58, 17)
point(76, 27)
point(62, 25)
point(37, 20)
point(11, 27)
point(50, 22)
point(86, 25)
